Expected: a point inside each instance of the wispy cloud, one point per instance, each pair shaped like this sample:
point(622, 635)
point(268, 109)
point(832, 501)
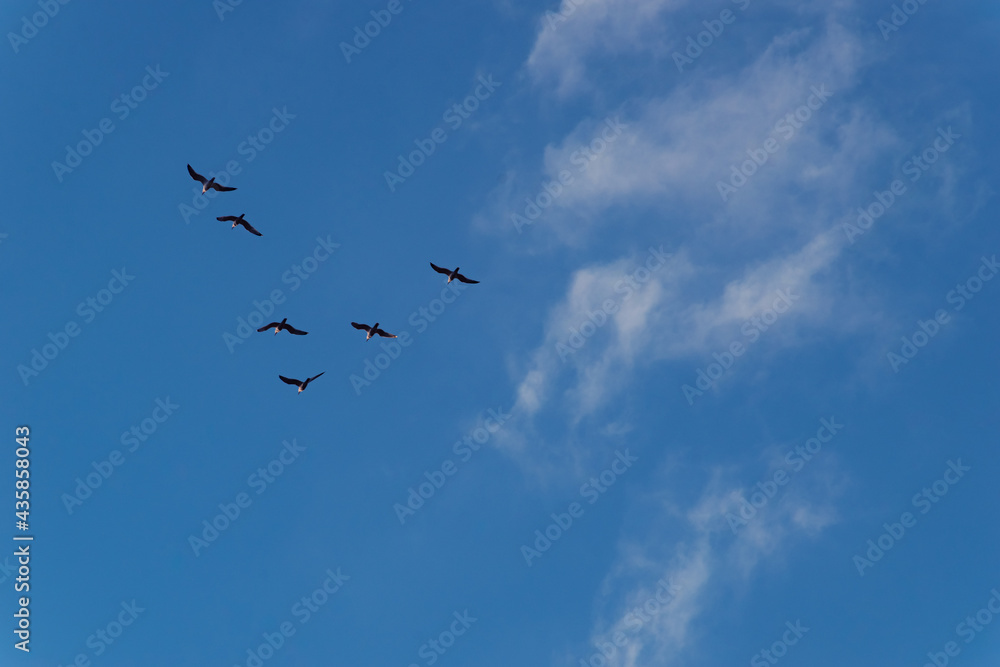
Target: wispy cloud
point(678, 146)
point(671, 316)
point(779, 232)
point(581, 29)
point(693, 548)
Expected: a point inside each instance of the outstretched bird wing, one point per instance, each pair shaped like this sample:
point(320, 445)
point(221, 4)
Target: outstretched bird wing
point(289, 380)
point(221, 188)
point(268, 326)
point(363, 327)
point(250, 228)
point(196, 176)
point(314, 377)
point(384, 334)
point(292, 330)
point(227, 218)
point(446, 272)
point(466, 280)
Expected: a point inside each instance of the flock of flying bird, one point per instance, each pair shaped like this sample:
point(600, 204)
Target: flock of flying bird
point(210, 184)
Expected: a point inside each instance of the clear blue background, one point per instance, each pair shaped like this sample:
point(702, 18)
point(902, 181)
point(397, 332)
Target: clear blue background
point(495, 346)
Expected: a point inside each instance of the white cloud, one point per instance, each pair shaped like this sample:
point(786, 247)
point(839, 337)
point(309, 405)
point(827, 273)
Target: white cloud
point(681, 140)
point(777, 233)
point(582, 28)
point(667, 317)
point(696, 551)
point(677, 147)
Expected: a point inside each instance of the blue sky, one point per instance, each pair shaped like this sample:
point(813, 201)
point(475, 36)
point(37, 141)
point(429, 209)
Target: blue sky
point(726, 386)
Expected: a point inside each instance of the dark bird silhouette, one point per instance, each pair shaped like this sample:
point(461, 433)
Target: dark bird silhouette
point(372, 330)
point(278, 326)
point(454, 274)
point(302, 385)
point(207, 184)
point(239, 221)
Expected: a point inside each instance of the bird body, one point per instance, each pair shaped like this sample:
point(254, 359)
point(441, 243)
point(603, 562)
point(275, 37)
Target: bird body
point(206, 183)
point(278, 326)
point(301, 384)
point(239, 221)
point(372, 330)
point(452, 275)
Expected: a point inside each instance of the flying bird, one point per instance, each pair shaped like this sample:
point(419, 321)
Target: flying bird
point(207, 184)
point(372, 330)
point(239, 221)
point(453, 274)
point(302, 385)
point(278, 326)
